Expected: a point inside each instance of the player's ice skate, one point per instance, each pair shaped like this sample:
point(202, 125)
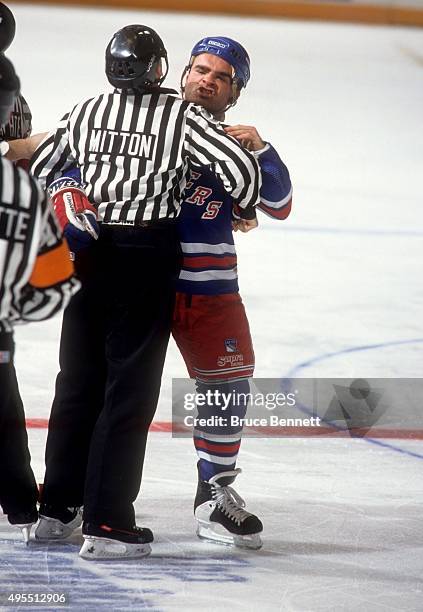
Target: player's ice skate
point(24, 521)
point(57, 525)
point(220, 513)
point(103, 542)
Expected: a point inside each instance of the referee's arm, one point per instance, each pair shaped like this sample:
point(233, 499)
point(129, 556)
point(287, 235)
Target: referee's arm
point(37, 263)
point(207, 143)
point(53, 156)
point(52, 282)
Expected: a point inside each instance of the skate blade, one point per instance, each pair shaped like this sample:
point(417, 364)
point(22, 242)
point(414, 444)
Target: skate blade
point(53, 529)
point(102, 548)
point(208, 533)
point(26, 531)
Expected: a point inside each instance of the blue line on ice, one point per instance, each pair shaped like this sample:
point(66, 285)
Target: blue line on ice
point(352, 349)
point(56, 568)
point(293, 373)
point(387, 445)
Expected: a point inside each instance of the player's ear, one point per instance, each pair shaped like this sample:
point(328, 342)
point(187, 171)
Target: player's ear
point(235, 95)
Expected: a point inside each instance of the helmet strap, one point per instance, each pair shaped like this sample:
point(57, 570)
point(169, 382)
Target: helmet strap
point(184, 77)
point(164, 75)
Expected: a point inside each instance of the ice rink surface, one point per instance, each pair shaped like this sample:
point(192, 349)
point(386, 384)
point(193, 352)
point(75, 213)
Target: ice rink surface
point(331, 292)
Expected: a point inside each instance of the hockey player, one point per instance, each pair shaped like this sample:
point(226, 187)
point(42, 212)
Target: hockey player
point(210, 325)
point(35, 282)
point(132, 146)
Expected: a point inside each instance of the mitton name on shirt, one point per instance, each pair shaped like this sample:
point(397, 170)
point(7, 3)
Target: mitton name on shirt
point(113, 142)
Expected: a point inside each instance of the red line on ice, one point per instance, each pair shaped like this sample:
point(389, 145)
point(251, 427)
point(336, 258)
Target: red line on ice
point(301, 432)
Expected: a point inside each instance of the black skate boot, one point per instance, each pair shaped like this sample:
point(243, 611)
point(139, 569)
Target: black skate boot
point(104, 542)
point(220, 513)
point(24, 521)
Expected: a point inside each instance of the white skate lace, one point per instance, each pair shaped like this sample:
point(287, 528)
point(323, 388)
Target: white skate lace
point(231, 504)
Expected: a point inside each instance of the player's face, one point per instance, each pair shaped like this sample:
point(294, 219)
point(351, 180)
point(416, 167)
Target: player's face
point(209, 83)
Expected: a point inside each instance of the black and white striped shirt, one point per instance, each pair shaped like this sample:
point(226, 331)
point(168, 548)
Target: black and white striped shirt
point(133, 151)
point(36, 275)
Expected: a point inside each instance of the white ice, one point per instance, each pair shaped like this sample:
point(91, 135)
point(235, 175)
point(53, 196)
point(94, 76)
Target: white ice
point(343, 518)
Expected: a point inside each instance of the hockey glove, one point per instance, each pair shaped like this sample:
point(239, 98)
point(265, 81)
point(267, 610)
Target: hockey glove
point(76, 216)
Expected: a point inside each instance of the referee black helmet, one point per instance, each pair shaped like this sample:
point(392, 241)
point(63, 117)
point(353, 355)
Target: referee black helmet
point(7, 27)
point(9, 89)
point(133, 58)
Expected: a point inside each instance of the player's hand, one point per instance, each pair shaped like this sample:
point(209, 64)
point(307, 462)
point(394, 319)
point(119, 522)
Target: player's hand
point(244, 225)
point(76, 216)
point(247, 135)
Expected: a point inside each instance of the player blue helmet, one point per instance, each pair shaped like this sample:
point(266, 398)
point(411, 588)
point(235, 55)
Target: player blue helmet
point(229, 50)
point(7, 27)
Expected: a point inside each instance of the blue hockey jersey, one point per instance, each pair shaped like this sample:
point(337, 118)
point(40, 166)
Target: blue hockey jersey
point(205, 225)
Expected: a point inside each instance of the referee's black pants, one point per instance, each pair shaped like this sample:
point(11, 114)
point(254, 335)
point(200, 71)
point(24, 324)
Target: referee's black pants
point(18, 489)
point(114, 339)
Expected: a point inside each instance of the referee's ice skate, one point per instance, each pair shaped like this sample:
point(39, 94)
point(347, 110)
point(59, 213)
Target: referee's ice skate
point(24, 521)
point(220, 513)
point(57, 524)
point(104, 542)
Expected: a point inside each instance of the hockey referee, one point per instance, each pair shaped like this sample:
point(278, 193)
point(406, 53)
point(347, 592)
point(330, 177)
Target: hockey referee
point(133, 147)
point(36, 280)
